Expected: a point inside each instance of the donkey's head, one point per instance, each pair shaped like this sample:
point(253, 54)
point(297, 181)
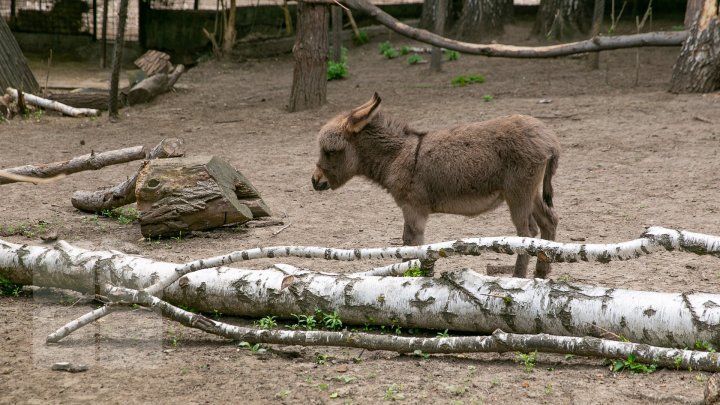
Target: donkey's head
point(338, 160)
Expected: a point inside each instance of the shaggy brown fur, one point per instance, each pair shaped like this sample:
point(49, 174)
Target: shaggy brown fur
point(466, 170)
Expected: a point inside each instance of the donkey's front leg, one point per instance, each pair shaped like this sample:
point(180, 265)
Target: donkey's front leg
point(414, 229)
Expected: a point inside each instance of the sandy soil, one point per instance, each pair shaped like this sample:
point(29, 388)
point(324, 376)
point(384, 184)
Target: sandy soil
point(633, 156)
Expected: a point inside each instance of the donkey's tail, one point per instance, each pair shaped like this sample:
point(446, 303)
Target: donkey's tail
point(550, 168)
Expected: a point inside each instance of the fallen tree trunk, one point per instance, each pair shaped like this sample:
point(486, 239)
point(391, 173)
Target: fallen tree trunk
point(154, 85)
point(54, 105)
point(87, 98)
point(124, 193)
point(91, 161)
point(509, 51)
point(462, 300)
point(499, 341)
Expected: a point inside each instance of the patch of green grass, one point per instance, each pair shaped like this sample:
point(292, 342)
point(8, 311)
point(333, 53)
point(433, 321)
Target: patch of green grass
point(704, 345)
point(22, 229)
point(9, 289)
point(124, 215)
point(487, 98)
point(631, 364)
point(453, 55)
point(678, 28)
point(404, 50)
point(34, 115)
point(415, 59)
point(528, 360)
point(361, 38)
point(464, 80)
point(321, 358)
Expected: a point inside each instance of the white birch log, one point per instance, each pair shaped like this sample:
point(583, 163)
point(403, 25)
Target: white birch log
point(499, 341)
point(54, 105)
point(463, 300)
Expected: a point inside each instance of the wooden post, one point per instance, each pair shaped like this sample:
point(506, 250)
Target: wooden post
point(436, 56)
point(103, 44)
point(309, 89)
point(117, 59)
point(337, 33)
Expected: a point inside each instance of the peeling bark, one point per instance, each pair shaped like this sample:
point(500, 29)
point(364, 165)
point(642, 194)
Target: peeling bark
point(54, 105)
point(697, 69)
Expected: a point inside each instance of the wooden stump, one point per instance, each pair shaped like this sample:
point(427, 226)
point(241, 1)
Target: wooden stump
point(176, 196)
point(150, 87)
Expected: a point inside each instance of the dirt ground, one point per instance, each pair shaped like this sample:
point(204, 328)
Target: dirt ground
point(633, 156)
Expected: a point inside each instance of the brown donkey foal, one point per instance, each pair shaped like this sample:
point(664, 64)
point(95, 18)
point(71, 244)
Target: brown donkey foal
point(466, 170)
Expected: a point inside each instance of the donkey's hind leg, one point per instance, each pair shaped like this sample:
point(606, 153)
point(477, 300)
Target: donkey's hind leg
point(547, 221)
point(520, 212)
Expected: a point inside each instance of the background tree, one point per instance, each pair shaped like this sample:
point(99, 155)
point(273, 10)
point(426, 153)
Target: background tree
point(309, 88)
point(564, 19)
point(697, 69)
point(14, 70)
point(482, 18)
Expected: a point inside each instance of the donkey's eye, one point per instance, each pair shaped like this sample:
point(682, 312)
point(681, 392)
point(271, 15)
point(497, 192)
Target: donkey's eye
point(330, 153)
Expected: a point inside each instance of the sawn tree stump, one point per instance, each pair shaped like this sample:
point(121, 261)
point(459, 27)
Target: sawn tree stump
point(176, 196)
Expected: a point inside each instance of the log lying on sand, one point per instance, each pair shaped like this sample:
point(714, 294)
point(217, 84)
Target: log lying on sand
point(91, 161)
point(86, 98)
point(156, 84)
point(124, 193)
point(54, 105)
point(459, 300)
point(176, 196)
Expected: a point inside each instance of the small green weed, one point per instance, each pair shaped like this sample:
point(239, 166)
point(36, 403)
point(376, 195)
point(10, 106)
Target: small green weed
point(528, 360)
point(631, 364)
point(404, 50)
point(307, 322)
point(322, 358)
point(388, 50)
point(443, 334)
point(34, 115)
point(361, 38)
point(678, 28)
point(415, 271)
point(678, 361)
point(548, 389)
point(415, 59)
point(338, 70)
point(283, 394)
point(345, 378)
point(453, 55)
point(488, 98)
point(394, 393)
point(704, 345)
point(267, 322)
point(22, 229)
point(463, 80)
point(254, 348)
point(123, 215)
point(9, 289)
point(332, 321)
point(420, 353)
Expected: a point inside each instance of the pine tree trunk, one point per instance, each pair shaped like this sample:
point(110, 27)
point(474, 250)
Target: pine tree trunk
point(483, 18)
point(309, 89)
point(117, 59)
point(697, 69)
point(564, 19)
point(14, 70)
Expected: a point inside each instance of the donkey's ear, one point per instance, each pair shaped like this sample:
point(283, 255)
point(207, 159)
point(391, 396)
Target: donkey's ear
point(360, 116)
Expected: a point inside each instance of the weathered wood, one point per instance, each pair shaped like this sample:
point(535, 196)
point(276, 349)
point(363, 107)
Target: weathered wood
point(113, 104)
point(153, 62)
point(154, 85)
point(86, 98)
point(124, 193)
point(309, 88)
point(14, 70)
point(509, 51)
point(91, 161)
point(176, 196)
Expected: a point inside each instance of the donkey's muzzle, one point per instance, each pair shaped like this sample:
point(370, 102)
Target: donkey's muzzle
point(320, 185)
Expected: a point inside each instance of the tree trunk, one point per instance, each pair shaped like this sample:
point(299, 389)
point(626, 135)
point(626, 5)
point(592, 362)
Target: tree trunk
point(309, 89)
point(427, 17)
point(564, 19)
point(691, 12)
point(597, 20)
point(85, 98)
point(124, 193)
point(14, 70)
point(436, 53)
point(92, 161)
point(117, 59)
point(508, 51)
point(697, 69)
point(176, 196)
point(459, 300)
point(53, 105)
point(481, 19)
point(230, 33)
